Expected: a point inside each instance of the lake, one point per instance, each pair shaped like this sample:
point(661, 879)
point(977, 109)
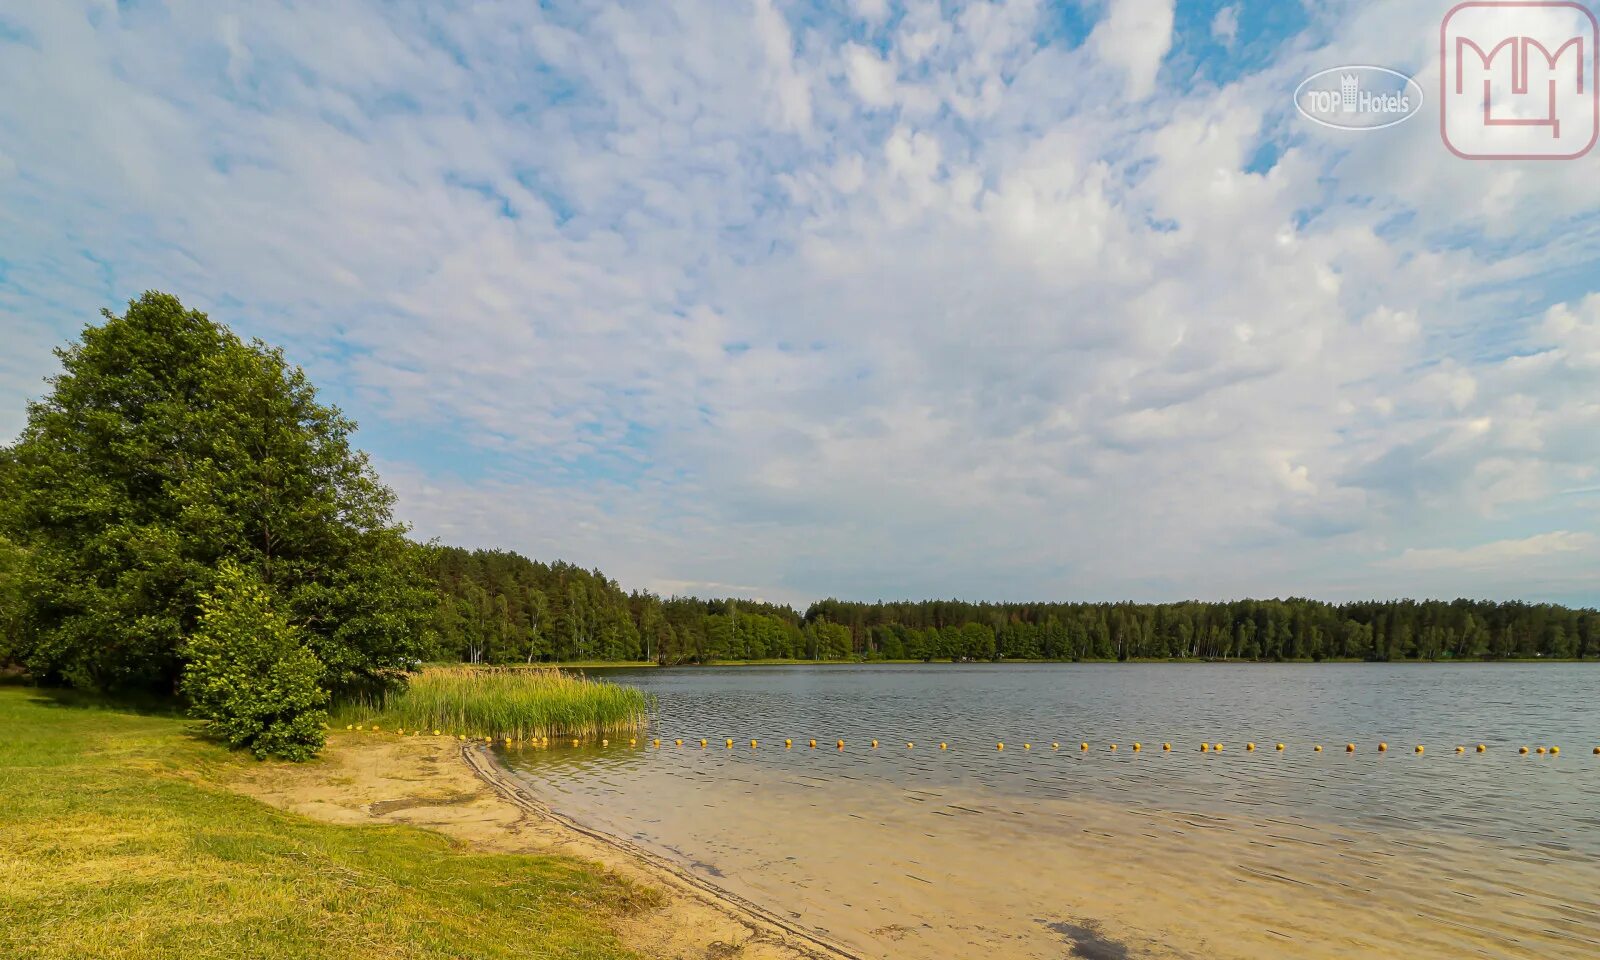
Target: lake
point(1053, 851)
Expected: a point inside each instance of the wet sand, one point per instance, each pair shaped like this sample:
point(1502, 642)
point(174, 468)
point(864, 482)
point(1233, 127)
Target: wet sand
point(917, 873)
point(429, 783)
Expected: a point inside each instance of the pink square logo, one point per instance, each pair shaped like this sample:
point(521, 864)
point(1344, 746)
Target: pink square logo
point(1518, 80)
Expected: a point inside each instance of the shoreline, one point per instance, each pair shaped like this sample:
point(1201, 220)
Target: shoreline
point(460, 791)
point(1014, 661)
point(487, 769)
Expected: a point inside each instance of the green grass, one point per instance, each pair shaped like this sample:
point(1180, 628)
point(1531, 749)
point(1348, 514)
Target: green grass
point(515, 702)
point(117, 841)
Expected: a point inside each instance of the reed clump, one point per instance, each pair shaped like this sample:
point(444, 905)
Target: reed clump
point(519, 703)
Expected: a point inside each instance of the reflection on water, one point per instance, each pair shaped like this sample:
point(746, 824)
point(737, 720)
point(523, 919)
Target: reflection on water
point(1050, 853)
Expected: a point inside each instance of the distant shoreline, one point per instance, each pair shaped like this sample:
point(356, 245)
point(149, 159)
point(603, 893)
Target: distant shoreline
point(635, 664)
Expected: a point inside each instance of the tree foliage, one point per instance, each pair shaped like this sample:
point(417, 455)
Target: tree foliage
point(11, 565)
point(499, 607)
point(1287, 629)
point(248, 673)
point(166, 447)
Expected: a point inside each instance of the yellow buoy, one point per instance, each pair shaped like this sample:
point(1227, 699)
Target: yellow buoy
point(1383, 748)
point(1113, 748)
point(656, 743)
point(678, 742)
point(1249, 747)
point(1000, 746)
point(752, 744)
point(1217, 747)
point(1554, 751)
point(787, 743)
point(1205, 748)
point(348, 727)
point(1280, 746)
point(1027, 746)
point(462, 737)
point(1540, 751)
point(1419, 748)
point(1522, 749)
point(1084, 747)
point(910, 745)
point(1137, 747)
point(375, 728)
point(841, 744)
point(1317, 748)
point(874, 744)
point(358, 726)
point(1351, 748)
point(605, 743)
point(1166, 747)
point(702, 743)
point(1597, 751)
point(946, 746)
point(1482, 748)
point(1055, 746)
point(730, 743)
point(633, 741)
point(436, 733)
point(574, 743)
point(1461, 749)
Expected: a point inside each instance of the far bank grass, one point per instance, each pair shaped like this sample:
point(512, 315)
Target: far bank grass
point(116, 842)
point(518, 702)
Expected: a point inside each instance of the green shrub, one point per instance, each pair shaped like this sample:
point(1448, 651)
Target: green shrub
point(249, 675)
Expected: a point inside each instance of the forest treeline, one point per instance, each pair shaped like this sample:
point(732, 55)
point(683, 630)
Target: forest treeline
point(499, 607)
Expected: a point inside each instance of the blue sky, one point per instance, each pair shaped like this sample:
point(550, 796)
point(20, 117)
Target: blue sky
point(1006, 300)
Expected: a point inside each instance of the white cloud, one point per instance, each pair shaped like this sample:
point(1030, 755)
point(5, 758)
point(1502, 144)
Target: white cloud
point(1135, 37)
point(871, 77)
point(872, 11)
point(1225, 25)
point(1498, 554)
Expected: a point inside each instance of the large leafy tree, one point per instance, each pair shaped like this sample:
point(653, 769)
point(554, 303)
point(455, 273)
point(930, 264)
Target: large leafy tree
point(167, 446)
point(11, 565)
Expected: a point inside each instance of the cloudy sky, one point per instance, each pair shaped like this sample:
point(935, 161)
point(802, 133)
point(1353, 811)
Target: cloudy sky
point(1011, 300)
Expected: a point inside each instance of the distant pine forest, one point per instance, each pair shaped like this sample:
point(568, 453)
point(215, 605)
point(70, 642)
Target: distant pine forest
point(496, 606)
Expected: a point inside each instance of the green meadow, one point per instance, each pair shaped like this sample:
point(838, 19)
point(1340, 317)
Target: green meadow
point(118, 839)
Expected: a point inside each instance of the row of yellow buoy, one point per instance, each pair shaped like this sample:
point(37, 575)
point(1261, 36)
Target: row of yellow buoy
point(1083, 746)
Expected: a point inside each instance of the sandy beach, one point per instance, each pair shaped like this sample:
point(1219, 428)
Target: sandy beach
point(454, 789)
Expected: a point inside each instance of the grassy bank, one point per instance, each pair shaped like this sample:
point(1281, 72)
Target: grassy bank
point(118, 841)
point(515, 702)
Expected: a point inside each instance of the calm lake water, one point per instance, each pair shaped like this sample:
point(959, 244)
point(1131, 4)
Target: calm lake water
point(1055, 853)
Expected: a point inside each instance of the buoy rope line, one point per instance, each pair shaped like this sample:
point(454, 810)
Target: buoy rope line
point(746, 912)
point(728, 743)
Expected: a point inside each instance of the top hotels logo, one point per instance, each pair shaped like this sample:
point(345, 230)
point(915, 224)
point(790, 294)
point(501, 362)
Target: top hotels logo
point(1518, 80)
point(1359, 97)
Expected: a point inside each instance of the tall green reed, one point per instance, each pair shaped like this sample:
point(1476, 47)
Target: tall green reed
point(499, 702)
